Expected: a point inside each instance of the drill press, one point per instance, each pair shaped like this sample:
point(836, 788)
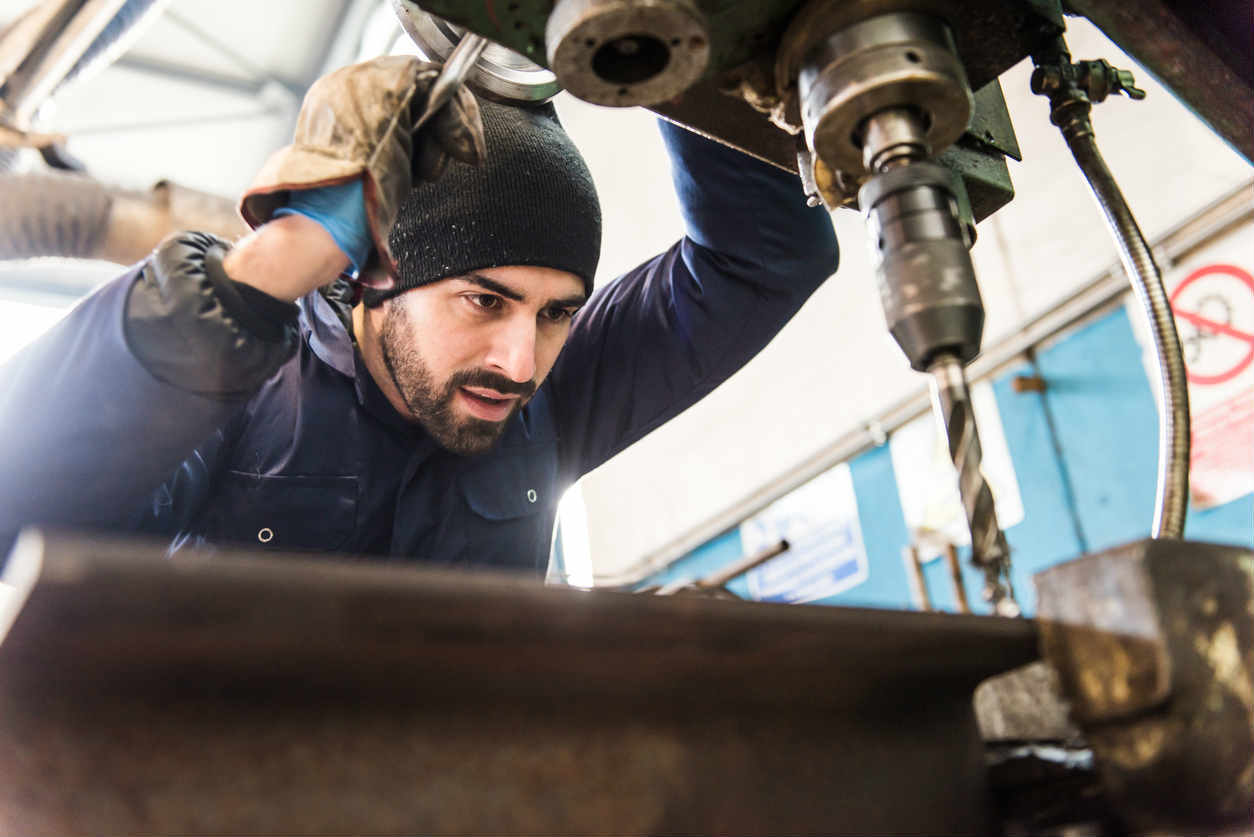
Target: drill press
point(879, 98)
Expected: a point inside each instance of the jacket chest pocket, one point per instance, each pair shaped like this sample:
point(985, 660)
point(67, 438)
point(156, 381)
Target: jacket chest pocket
point(284, 512)
point(511, 501)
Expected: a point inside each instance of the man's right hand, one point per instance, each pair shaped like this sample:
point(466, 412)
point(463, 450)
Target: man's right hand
point(355, 125)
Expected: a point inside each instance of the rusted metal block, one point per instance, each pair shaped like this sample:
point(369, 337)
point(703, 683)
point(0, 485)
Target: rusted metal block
point(1154, 645)
point(233, 693)
point(1025, 705)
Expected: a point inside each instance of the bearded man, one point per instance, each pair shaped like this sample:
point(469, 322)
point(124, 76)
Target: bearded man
point(434, 409)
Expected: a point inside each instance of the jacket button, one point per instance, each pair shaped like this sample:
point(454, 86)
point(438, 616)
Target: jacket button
point(265, 535)
point(531, 495)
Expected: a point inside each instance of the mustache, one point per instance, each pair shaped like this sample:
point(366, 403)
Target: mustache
point(490, 380)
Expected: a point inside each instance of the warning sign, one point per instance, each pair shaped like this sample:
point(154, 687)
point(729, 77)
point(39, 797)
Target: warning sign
point(1222, 456)
point(1212, 294)
point(1213, 305)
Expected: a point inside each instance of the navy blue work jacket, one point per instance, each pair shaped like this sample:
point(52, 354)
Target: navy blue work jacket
point(319, 460)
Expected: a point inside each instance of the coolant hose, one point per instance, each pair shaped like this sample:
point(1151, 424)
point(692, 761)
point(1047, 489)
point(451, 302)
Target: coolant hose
point(1171, 502)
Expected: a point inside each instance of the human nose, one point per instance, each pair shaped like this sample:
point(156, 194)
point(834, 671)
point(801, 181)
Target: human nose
point(514, 350)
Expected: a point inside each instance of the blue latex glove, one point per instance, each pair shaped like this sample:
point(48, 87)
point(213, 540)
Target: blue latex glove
point(341, 210)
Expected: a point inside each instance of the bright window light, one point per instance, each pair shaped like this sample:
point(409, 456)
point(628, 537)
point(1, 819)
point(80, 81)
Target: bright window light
point(35, 293)
point(576, 554)
point(22, 322)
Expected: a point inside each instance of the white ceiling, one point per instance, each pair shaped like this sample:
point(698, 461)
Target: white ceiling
point(206, 91)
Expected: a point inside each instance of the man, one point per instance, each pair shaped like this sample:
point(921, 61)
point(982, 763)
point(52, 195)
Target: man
point(215, 394)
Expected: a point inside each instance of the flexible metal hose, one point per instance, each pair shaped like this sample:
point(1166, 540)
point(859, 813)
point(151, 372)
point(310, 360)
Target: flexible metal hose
point(1147, 282)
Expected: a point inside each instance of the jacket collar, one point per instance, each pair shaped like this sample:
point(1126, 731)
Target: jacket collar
point(322, 327)
point(324, 323)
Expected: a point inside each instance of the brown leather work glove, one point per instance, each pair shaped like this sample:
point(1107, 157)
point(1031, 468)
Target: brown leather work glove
point(358, 122)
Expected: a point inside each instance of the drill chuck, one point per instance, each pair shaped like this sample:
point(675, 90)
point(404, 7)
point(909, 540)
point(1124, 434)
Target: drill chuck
point(919, 248)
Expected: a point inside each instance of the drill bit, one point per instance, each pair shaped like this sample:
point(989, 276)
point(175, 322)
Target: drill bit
point(951, 403)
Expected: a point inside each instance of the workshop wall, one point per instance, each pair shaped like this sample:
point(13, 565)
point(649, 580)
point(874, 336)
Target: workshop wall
point(1083, 452)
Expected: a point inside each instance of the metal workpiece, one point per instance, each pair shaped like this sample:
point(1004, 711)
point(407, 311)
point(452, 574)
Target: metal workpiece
point(1153, 643)
point(1067, 87)
point(952, 406)
point(919, 249)
point(627, 52)
point(1026, 704)
point(234, 692)
point(498, 73)
point(901, 60)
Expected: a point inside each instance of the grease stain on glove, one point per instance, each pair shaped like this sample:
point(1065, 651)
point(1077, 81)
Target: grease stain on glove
point(357, 124)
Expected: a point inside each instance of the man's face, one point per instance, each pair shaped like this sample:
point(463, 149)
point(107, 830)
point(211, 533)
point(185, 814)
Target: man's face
point(465, 354)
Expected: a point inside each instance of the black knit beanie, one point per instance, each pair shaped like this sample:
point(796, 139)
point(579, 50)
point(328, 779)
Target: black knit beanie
point(531, 202)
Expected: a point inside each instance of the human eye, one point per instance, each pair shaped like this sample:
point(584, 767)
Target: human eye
point(558, 314)
point(484, 302)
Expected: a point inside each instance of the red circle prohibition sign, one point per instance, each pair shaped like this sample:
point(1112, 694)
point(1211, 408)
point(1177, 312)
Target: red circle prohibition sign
point(1207, 324)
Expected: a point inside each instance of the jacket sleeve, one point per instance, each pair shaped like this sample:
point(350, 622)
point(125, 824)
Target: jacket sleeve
point(129, 394)
point(659, 338)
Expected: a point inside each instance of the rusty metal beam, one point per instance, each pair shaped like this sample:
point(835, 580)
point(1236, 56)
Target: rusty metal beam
point(241, 693)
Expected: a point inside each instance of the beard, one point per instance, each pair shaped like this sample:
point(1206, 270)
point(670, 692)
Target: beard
point(430, 402)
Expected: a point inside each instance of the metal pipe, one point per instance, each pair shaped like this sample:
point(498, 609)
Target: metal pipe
point(74, 216)
point(1071, 104)
point(57, 42)
point(955, 574)
point(726, 574)
point(914, 574)
point(1172, 496)
point(715, 580)
point(31, 32)
point(62, 55)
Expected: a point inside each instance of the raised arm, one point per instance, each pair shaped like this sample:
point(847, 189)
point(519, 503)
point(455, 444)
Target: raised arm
point(656, 340)
point(134, 389)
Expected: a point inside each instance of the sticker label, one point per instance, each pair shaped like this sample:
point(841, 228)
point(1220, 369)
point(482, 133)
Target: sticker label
point(1212, 295)
point(826, 553)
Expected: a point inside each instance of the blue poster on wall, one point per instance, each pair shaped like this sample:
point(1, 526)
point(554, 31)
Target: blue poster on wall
point(826, 553)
